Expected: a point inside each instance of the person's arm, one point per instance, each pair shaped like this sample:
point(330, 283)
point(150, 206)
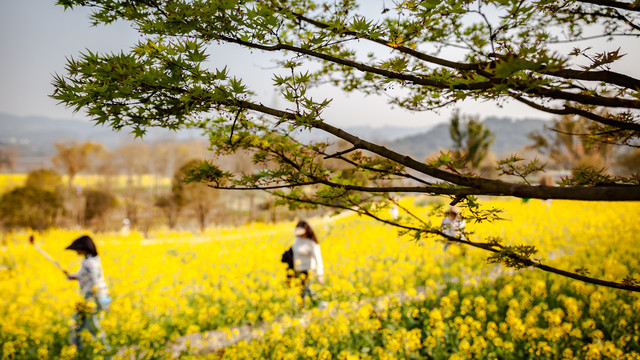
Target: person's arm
point(75, 275)
point(462, 228)
point(317, 254)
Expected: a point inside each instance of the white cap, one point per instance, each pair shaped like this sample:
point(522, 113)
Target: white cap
point(299, 231)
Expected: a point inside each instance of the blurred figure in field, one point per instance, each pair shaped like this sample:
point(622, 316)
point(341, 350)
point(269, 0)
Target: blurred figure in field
point(393, 210)
point(453, 225)
point(546, 180)
point(126, 227)
point(306, 258)
point(93, 289)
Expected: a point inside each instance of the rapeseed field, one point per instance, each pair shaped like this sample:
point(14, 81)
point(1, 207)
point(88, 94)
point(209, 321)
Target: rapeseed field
point(175, 283)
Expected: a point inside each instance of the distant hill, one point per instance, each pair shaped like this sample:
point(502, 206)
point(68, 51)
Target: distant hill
point(511, 136)
point(34, 136)
point(382, 134)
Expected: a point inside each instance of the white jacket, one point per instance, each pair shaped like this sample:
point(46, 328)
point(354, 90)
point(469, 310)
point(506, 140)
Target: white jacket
point(307, 256)
point(455, 228)
point(91, 278)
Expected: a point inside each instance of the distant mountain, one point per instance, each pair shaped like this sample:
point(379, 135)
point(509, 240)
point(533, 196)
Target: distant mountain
point(386, 133)
point(511, 136)
point(383, 134)
point(35, 136)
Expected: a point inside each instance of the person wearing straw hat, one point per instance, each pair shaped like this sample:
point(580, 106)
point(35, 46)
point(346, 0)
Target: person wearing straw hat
point(93, 289)
point(453, 225)
point(306, 257)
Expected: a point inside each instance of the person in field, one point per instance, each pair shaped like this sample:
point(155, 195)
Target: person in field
point(453, 225)
point(93, 289)
point(307, 258)
point(546, 180)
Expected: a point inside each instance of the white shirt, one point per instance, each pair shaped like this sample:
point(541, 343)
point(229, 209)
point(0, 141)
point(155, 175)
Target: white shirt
point(91, 278)
point(307, 256)
point(453, 228)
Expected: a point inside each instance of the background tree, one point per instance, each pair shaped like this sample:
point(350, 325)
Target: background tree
point(74, 157)
point(134, 160)
point(196, 196)
point(105, 164)
point(169, 207)
point(8, 155)
point(569, 144)
point(45, 179)
point(437, 52)
point(471, 140)
point(168, 155)
point(34, 206)
point(628, 162)
point(98, 204)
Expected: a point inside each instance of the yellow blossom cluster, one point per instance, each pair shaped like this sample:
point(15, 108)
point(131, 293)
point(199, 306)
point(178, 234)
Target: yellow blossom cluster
point(10, 181)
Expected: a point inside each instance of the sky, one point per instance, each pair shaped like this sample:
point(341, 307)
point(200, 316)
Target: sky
point(37, 36)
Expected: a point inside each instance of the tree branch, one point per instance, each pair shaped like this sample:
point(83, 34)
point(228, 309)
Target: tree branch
point(568, 110)
point(610, 77)
point(362, 67)
point(613, 4)
point(340, 153)
point(424, 81)
point(603, 76)
point(485, 186)
point(265, 187)
point(491, 247)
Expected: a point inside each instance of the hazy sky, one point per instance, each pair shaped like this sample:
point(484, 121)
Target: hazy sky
point(36, 37)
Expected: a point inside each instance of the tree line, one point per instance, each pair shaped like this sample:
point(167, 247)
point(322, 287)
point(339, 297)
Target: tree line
point(116, 190)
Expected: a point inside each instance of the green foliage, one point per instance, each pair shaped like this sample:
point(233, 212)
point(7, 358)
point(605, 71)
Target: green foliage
point(588, 176)
point(204, 171)
point(518, 256)
point(511, 166)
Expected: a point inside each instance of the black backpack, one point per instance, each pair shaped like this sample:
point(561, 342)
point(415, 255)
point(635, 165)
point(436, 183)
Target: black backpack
point(287, 258)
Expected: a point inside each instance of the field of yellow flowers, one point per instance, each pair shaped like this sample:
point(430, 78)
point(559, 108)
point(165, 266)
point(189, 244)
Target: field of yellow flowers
point(177, 283)
point(9, 182)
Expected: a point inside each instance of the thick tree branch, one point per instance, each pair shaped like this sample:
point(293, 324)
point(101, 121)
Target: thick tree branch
point(485, 186)
point(418, 80)
point(401, 48)
point(602, 76)
point(613, 4)
point(425, 81)
point(568, 110)
point(262, 187)
point(609, 77)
